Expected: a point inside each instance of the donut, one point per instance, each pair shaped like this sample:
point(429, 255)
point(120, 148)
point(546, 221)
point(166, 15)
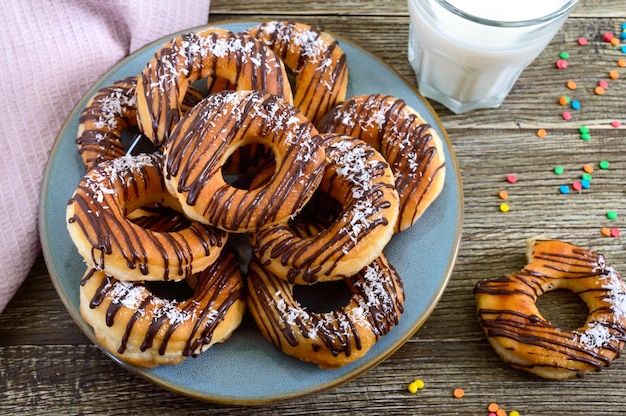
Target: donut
point(111, 111)
point(215, 128)
point(412, 147)
point(319, 65)
point(97, 222)
point(245, 62)
point(329, 339)
point(145, 329)
point(526, 340)
point(359, 178)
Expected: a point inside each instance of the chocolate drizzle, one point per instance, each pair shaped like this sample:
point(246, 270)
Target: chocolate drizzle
point(150, 323)
point(535, 342)
point(245, 62)
point(319, 64)
point(97, 212)
point(109, 112)
point(404, 139)
point(348, 332)
point(358, 177)
point(222, 122)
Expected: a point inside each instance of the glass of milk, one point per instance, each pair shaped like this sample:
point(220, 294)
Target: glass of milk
point(467, 54)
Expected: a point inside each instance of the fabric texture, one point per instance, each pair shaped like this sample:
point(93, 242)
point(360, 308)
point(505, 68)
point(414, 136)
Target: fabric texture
point(53, 51)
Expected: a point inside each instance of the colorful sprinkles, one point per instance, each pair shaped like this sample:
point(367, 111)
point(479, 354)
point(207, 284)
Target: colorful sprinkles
point(579, 185)
point(494, 409)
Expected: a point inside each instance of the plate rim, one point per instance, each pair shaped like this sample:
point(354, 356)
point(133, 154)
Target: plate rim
point(221, 399)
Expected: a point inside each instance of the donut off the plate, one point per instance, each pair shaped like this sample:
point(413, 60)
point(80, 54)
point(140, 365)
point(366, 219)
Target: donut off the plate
point(525, 339)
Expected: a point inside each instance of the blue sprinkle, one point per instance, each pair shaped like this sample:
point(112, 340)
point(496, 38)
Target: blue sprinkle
point(585, 183)
point(564, 189)
point(622, 36)
point(624, 48)
point(575, 105)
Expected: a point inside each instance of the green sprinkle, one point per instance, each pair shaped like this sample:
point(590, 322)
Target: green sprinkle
point(585, 136)
point(583, 129)
point(611, 215)
point(558, 170)
point(604, 164)
point(586, 176)
point(564, 55)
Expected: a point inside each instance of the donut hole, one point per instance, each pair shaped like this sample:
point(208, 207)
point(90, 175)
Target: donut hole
point(322, 297)
point(171, 290)
point(134, 142)
point(321, 209)
point(249, 166)
point(563, 308)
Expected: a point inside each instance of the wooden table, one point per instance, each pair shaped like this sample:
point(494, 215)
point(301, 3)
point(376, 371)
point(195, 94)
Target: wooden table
point(47, 366)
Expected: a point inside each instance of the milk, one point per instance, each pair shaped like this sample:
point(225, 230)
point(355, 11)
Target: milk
point(466, 63)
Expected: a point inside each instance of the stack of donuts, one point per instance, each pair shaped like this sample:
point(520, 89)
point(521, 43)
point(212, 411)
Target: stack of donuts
point(318, 184)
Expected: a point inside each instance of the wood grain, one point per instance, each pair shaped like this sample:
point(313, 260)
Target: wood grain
point(47, 366)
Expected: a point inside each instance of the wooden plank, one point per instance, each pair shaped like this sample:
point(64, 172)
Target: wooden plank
point(586, 8)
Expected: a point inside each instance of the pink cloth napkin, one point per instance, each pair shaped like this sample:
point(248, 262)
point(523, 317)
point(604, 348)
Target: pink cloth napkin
point(52, 52)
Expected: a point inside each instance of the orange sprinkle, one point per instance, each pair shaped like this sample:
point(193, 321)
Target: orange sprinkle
point(541, 133)
point(571, 85)
point(500, 412)
point(614, 41)
point(563, 100)
point(458, 393)
point(614, 74)
point(588, 168)
point(503, 194)
point(599, 90)
point(493, 407)
point(621, 62)
point(605, 232)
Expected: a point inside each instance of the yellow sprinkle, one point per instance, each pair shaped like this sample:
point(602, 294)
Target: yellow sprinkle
point(504, 207)
point(415, 386)
point(513, 413)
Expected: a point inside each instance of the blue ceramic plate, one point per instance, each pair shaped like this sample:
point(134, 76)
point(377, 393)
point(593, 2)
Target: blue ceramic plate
point(423, 255)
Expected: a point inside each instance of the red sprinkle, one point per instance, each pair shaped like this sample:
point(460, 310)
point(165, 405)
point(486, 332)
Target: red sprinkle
point(567, 115)
point(615, 123)
point(607, 36)
point(615, 232)
point(577, 186)
point(561, 64)
point(582, 41)
point(511, 178)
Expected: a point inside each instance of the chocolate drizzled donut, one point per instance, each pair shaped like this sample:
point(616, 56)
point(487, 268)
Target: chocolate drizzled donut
point(526, 340)
point(411, 146)
point(245, 62)
point(319, 65)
